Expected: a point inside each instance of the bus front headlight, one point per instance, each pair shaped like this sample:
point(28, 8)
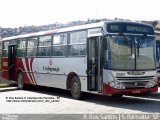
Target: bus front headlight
point(151, 84)
point(116, 85)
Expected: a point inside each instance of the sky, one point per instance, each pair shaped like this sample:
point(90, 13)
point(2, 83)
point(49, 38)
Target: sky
point(16, 13)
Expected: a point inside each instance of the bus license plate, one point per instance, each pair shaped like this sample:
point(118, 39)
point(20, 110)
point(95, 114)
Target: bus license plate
point(136, 91)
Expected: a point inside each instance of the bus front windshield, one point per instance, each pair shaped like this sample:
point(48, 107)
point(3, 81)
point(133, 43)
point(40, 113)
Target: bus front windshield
point(158, 53)
point(129, 52)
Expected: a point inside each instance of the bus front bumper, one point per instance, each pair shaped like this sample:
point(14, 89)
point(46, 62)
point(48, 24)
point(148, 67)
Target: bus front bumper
point(108, 90)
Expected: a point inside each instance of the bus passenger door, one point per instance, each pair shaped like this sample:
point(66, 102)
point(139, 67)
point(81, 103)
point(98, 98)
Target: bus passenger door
point(11, 61)
point(93, 64)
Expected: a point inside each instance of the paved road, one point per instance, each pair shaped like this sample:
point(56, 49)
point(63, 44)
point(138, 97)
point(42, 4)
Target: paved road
point(48, 100)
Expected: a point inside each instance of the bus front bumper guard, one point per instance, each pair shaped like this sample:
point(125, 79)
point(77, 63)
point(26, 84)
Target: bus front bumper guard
point(108, 90)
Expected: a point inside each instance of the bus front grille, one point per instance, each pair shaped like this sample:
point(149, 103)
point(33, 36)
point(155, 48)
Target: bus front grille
point(135, 82)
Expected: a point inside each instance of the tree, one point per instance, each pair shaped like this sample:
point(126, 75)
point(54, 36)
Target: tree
point(154, 23)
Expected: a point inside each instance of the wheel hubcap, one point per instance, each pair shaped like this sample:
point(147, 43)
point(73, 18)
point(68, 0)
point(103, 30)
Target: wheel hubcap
point(75, 88)
point(20, 82)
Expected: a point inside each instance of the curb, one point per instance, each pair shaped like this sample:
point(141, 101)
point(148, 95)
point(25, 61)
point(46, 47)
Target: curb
point(8, 89)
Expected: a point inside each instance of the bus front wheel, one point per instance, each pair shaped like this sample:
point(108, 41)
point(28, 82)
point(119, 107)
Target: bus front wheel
point(76, 88)
point(20, 81)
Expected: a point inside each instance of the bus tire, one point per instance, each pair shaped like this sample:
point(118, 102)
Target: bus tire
point(20, 81)
point(76, 88)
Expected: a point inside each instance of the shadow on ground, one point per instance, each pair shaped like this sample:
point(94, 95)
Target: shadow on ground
point(144, 103)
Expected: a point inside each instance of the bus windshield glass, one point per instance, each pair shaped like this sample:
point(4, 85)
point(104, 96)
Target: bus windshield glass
point(129, 52)
point(158, 50)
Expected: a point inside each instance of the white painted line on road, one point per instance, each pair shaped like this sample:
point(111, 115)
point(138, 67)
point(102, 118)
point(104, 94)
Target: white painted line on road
point(144, 98)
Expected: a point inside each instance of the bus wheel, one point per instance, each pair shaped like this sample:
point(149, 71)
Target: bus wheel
point(20, 81)
point(76, 88)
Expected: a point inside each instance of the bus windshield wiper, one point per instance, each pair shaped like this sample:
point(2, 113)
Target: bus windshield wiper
point(140, 44)
point(129, 44)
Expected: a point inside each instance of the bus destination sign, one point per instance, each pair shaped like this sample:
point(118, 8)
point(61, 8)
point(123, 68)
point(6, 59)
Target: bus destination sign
point(137, 29)
point(129, 28)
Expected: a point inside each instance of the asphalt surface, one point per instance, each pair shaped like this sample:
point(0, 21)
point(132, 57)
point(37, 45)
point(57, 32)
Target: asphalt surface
point(42, 100)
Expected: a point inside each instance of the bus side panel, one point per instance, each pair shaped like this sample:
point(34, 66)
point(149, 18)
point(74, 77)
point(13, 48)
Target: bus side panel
point(53, 72)
point(5, 68)
point(43, 67)
point(24, 65)
point(64, 66)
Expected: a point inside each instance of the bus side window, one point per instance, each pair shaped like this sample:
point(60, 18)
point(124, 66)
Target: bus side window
point(21, 49)
point(5, 49)
point(44, 46)
point(60, 45)
point(77, 44)
point(32, 47)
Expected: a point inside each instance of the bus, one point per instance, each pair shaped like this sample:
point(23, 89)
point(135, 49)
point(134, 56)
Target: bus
point(109, 58)
point(0, 54)
point(157, 34)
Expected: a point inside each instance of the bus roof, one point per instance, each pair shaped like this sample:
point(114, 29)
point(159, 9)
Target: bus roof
point(60, 30)
point(67, 29)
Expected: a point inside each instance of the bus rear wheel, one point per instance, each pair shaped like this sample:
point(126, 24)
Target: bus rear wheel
point(76, 88)
point(20, 81)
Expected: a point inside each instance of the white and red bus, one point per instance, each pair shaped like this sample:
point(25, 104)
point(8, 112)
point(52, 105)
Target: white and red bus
point(157, 34)
point(0, 54)
point(109, 58)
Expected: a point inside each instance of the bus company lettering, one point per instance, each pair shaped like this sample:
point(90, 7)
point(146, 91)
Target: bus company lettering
point(50, 69)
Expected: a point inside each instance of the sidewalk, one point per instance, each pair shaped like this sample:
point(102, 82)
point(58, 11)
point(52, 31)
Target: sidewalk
point(6, 84)
point(2, 81)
